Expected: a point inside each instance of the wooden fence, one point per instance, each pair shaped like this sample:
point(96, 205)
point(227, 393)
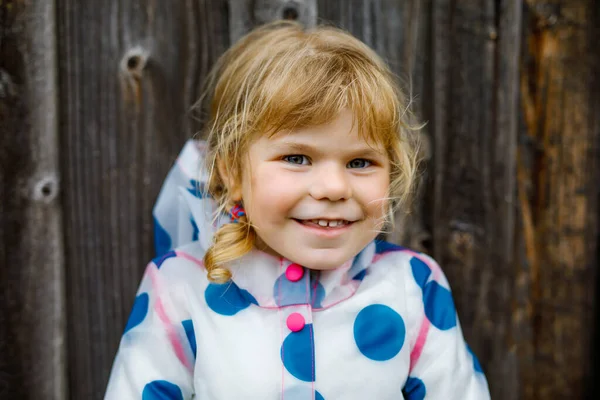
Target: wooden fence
point(94, 101)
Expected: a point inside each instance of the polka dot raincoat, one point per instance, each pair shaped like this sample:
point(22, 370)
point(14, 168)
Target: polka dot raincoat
point(382, 326)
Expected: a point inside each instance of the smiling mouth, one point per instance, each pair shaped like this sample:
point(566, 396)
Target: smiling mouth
point(325, 223)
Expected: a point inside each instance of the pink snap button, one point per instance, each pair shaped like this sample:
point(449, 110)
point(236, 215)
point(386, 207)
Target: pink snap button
point(294, 272)
point(295, 322)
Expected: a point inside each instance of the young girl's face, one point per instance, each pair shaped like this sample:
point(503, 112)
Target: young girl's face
point(297, 182)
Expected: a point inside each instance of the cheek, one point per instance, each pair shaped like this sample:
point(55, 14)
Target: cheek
point(374, 196)
point(269, 195)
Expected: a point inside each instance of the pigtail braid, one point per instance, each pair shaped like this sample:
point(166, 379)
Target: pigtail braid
point(230, 242)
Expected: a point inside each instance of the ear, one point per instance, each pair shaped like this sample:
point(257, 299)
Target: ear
point(233, 188)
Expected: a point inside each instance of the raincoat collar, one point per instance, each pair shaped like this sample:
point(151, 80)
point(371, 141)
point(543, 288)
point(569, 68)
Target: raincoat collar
point(185, 214)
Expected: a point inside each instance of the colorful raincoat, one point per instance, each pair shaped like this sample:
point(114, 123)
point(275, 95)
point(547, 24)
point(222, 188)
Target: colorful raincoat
point(382, 326)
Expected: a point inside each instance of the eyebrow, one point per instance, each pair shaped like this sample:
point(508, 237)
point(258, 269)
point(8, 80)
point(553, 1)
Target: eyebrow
point(306, 148)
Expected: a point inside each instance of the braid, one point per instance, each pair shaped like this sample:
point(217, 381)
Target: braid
point(230, 242)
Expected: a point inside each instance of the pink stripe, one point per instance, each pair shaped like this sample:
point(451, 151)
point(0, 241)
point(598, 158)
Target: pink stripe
point(184, 169)
point(172, 334)
point(418, 348)
point(152, 271)
point(424, 330)
point(281, 329)
point(308, 312)
point(312, 353)
point(189, 257)
point(378, 257)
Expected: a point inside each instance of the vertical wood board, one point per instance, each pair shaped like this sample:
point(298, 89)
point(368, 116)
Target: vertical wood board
point(129, 73)
point(32, 303)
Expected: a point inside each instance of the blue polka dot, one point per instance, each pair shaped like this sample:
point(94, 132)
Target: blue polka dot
point(286, 292)
point(379, 332)
point(439, 306)
point(198, 189)
point(227, 298)
point(360, 276)
point(414, 389)
point(160, 260)
point(188, 326)
point(195, 230)
point(420, 271)
point(138, 313)
point(297, 354)
point(382, 247)
point(162, 239)
point(317, 293)
point(476, 364)
point(301, 392)
point(162, 390)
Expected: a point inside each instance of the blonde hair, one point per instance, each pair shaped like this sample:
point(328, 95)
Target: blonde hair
point(280, 77)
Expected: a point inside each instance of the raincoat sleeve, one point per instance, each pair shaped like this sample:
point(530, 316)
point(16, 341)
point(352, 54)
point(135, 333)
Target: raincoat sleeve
point(442, 366)
point(156, 355)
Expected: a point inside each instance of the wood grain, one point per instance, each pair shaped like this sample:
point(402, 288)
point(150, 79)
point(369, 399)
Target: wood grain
point(246, 14)
point(559, 159)
point(474, 114)
point(129, 73)
point(32, 301)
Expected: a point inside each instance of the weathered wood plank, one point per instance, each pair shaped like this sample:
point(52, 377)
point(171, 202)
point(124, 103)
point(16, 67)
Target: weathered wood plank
point(474, 135)
point(559, 163)
point(246, 14)
point(396, 30)
point(508, 357)
point(129, 73)
point(32, 303)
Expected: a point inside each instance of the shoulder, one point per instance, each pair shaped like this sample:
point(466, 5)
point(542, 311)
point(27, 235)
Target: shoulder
point(164, 288)
point(178, 267)
point(399, 259)
point(420, 281)
point(412, 268)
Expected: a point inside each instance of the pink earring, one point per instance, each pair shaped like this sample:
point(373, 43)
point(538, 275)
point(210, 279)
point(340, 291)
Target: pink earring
point(236, 212)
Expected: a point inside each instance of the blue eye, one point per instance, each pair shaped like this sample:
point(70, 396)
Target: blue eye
point(359, 163)
point(298, 159)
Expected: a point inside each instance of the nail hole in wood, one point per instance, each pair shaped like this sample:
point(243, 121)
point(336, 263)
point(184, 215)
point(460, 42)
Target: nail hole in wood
point(290, 13)
point(133, 62)
point(46, 189)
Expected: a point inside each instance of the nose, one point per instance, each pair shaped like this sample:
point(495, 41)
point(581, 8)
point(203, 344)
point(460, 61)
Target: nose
point(331, 183)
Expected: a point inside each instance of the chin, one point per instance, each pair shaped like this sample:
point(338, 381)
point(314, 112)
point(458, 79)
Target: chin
point(324, 261)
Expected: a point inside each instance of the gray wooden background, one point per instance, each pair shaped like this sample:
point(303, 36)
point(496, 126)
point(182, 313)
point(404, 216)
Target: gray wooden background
point(94, 107)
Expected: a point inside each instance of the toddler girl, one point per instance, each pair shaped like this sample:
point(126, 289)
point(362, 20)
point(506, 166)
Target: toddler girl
point(270, 282)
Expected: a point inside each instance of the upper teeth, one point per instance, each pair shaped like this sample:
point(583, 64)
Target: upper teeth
point(324, 222)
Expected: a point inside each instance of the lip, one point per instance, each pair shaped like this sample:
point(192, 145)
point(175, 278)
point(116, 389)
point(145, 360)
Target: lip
point(325, 232)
